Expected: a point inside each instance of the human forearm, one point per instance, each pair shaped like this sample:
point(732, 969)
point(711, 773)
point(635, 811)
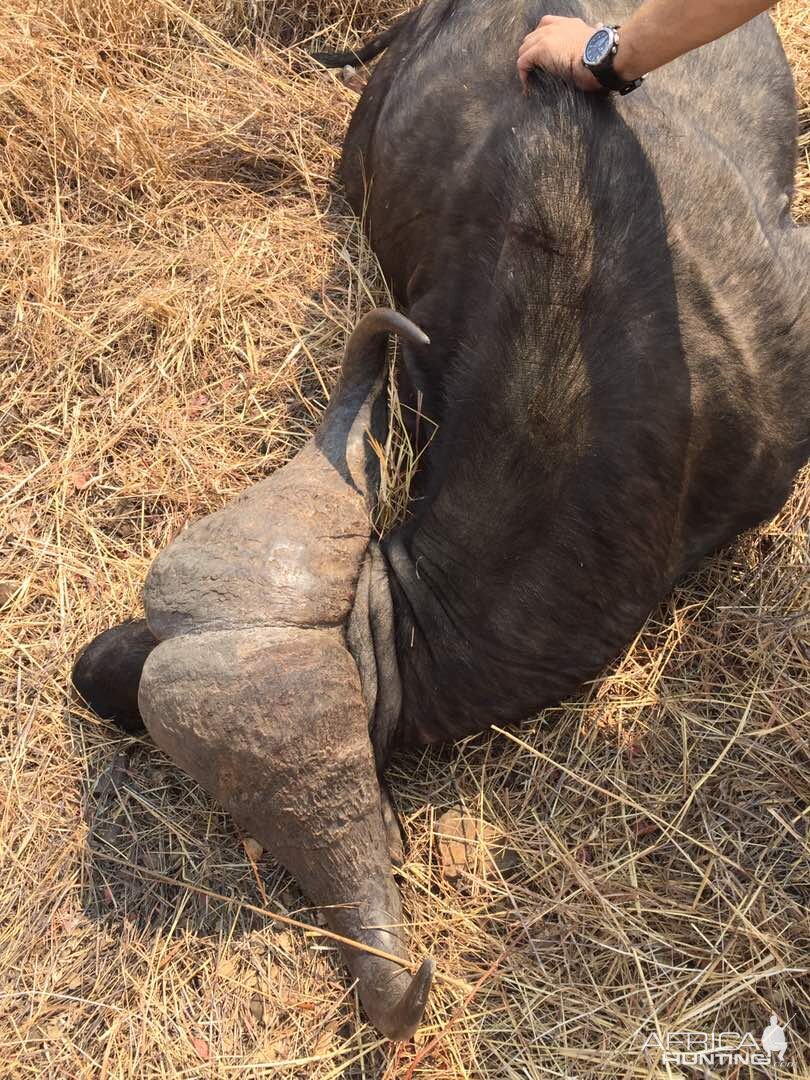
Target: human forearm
point(661, 30)
point(657, 32)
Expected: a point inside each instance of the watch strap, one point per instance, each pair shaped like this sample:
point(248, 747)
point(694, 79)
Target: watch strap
point(611, 81)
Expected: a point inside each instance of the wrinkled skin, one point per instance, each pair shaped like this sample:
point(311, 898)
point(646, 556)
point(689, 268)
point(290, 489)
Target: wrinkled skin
point(616, 302)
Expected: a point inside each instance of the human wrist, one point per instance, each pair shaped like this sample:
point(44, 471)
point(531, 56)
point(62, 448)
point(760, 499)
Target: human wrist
point(626, 62)
point(583, 77)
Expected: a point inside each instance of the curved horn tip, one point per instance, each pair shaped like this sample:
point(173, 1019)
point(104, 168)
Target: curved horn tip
point(405, 328)
point(386, 320)
point(404, 1018)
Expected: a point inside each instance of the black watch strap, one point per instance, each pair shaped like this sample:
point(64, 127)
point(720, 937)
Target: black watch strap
point(611, 81)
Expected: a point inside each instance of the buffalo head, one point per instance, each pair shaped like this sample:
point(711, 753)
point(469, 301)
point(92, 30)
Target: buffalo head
point(251, 688)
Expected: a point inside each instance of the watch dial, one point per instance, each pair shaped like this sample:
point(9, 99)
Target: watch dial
point(598, 47)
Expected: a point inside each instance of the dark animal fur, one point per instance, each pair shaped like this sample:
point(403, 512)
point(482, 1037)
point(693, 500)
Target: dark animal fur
point(617, 305)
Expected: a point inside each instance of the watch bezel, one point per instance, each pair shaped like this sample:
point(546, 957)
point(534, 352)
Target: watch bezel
point(606, 52)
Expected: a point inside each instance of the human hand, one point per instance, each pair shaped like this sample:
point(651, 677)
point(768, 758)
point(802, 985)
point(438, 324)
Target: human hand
point(557, 45)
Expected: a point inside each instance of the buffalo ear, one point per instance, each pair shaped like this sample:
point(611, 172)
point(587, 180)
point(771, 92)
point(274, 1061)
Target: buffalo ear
point(371, 636)
point(107, 672)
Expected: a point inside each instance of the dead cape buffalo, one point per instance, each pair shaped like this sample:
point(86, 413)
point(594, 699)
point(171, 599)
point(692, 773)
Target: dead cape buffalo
point(608, 321)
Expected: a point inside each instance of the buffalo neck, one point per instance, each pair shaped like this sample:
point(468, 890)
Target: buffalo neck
point(564, 408)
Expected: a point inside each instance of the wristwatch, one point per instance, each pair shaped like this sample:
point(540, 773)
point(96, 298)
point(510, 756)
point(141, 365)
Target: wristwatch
point(598, 59)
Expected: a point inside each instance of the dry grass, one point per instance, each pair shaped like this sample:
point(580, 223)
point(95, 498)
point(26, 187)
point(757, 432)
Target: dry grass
point(177, 282)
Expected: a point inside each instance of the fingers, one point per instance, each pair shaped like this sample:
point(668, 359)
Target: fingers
point(556, 44)
point(537, 37)
point(526, 62)
point(534, 52)
point(546, 21)
point(528, 42)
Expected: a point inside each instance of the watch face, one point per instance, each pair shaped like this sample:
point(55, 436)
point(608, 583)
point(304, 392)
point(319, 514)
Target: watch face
point(599, 46)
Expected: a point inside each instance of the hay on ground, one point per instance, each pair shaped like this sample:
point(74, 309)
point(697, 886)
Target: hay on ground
point(178, 278)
